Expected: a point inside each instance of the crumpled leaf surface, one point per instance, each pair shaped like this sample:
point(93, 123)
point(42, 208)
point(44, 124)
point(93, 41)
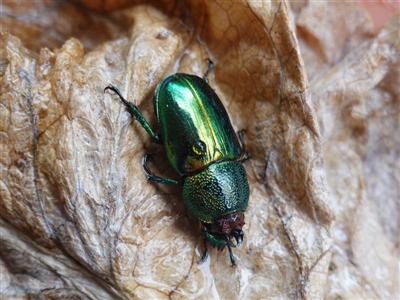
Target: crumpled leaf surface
point(356, 96)
point(78, 218)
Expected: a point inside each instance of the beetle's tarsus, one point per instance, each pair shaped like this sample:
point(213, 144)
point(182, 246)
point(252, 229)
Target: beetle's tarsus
point(210, 66)
point(205, 254)
point(116, 90)
point(134, 111)
point(231, 257)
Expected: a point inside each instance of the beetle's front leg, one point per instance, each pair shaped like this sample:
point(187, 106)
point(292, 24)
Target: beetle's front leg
point(205, 254)
point(134, 111)
point(150, 175)
point(216, 240)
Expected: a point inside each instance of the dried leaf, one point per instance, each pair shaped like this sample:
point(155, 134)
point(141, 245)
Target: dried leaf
point(356, 95)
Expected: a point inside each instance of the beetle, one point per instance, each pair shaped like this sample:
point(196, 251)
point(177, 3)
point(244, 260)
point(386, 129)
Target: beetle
point(203, 148)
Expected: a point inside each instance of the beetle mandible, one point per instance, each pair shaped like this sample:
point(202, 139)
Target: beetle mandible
point(203, 148)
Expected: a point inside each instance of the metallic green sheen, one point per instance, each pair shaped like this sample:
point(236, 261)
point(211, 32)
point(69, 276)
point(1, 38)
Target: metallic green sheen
point(194, 124)
point(219, 190)
point(203, 148)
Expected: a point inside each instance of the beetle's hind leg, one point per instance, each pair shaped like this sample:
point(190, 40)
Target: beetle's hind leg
point(245, 155)
point(150, 175)
point(134, 111)
point(210, 66)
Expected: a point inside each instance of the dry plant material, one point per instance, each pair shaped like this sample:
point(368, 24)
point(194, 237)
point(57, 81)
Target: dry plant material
point(78, 218)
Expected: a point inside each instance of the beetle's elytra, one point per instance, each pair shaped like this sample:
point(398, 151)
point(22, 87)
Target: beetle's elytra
point(205, 151)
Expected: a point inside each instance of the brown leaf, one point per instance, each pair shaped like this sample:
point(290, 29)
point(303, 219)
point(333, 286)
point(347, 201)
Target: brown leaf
point(356, 95)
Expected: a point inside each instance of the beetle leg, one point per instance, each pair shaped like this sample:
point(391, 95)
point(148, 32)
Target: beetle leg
point(205, 255)
point(219, 240)
point(210, 66)
point(229, 242)
point(245, 155)
point(231, 256)
point(134, 111)
point(151, 176)
point(216, 240)
point(205, 229)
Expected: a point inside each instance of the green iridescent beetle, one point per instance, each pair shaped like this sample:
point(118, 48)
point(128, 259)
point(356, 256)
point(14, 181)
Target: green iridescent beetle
point(205, 151)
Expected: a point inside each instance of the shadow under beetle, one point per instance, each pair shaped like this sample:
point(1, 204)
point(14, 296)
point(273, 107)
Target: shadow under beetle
point(203, 148)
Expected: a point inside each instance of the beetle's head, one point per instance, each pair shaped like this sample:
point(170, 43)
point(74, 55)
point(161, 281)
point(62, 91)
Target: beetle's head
point(231, 225)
